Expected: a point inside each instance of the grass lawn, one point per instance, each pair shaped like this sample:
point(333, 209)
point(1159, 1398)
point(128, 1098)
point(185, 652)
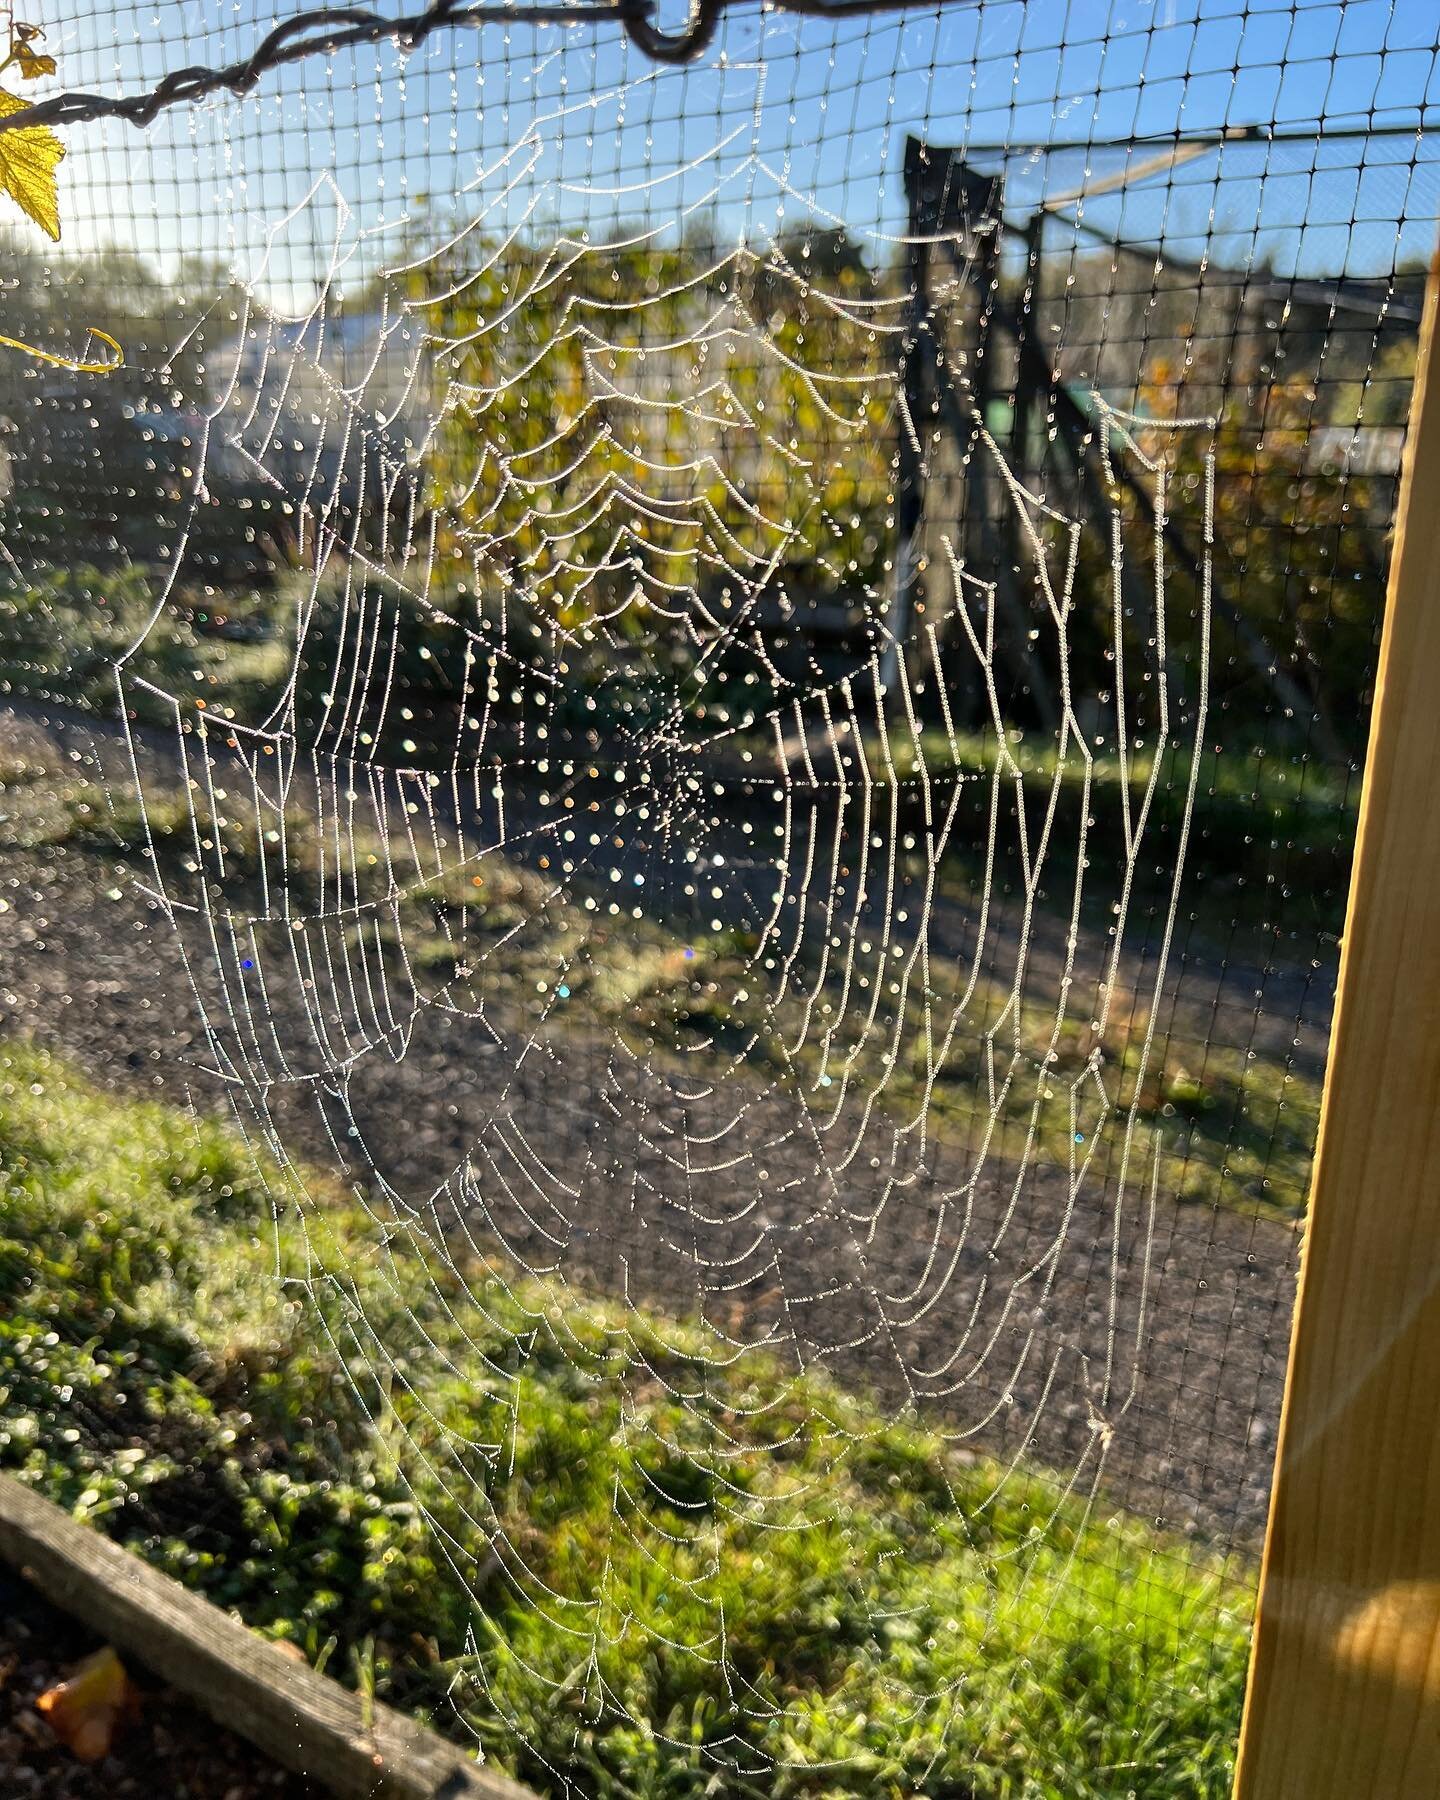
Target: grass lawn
point(560, 1525)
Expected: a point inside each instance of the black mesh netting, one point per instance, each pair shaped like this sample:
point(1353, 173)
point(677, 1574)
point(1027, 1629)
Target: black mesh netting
point(691, 736)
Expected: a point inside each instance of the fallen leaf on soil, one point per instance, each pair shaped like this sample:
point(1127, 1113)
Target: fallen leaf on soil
point(84, 1711)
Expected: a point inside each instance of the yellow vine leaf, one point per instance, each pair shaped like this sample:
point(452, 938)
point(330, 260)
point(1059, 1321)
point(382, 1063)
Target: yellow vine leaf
point(28, 159)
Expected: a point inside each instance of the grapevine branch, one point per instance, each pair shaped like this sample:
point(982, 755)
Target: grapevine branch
point(328, 29)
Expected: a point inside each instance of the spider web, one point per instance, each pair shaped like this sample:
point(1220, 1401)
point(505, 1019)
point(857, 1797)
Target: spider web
point(659, 889)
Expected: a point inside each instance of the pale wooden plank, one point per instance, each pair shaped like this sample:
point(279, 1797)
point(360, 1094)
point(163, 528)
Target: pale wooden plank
point(302, 1720)
point(1344, 1697)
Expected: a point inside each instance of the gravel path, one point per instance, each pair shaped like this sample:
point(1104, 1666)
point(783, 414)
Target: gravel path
point(1100, 1338)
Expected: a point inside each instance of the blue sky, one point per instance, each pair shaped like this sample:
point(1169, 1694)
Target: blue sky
point(786, 118)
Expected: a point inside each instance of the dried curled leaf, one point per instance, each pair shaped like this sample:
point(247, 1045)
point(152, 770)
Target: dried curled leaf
point(28, 160)
point(85, 1711)
point(33, 63)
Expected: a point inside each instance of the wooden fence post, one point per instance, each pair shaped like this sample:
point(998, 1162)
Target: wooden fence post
point(1344, 1693)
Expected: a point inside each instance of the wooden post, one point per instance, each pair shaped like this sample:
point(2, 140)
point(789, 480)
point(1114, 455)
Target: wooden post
point(1028, 327)
point(911, 472)
point(1344, 1695)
